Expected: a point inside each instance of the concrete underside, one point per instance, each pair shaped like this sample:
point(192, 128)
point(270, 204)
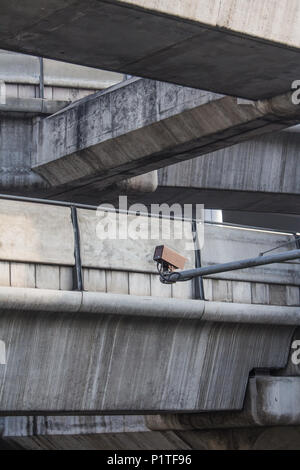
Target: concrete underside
point(252, 201)
point(278, 221)
point(223, 46)
point(268, 438)
point(269, 420)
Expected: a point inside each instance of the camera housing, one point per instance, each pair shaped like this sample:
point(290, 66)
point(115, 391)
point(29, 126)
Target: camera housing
point(168, 258)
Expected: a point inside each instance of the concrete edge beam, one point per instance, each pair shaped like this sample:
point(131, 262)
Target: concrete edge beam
point(28, 299)
point(32, 106)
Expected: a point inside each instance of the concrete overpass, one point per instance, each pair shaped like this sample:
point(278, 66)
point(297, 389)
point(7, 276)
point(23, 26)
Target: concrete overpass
point(84, 150)
point(246, 49)
point(138, 328)
point(86, 329)
point(141, 125)
point(126, 344)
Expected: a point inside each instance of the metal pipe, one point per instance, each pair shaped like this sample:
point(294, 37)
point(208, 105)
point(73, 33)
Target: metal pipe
point(41, 80)
point(232, 266)
point(55, 202)
point(77, 270)
point(34, 106)
point(198, 285)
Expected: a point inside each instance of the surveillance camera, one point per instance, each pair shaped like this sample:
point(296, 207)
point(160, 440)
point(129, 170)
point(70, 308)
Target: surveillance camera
point(168, 258)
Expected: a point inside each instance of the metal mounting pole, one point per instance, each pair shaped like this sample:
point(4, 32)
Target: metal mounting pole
point(42, 88)
point(198, 286)
point(77, 270)
point(234, 265)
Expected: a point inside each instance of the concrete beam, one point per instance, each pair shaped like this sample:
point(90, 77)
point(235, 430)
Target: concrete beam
point(268, 164)
point(260, 175)
point(112, 358)
point(98, 303)
point(30, 107)
point(257, 175)
point(143, 125)
point(247, 49)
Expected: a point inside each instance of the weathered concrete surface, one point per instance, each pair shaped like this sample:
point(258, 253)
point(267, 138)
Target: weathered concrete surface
point(15, 154)
point(146, 183)
point(166, 432)
point(122, 241)
point(98, 352)
point(30, 107)
point(28, 233)
point(135, 364)
point(143, 125)
point(98, 303)
point(270, 401)
point(249, 176)
point(269, 420)
point(232, 47)
point(274, 438)
point(43, 234)
point(258, 175)
point(223, 244)
point(265, 172)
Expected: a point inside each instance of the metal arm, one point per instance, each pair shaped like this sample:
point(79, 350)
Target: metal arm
point(170, 278)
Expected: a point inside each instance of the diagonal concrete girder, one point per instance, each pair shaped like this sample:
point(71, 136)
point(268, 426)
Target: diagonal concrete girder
point(144, 125)
point(236, 47)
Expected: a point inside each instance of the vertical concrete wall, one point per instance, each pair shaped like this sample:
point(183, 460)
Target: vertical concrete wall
point(37, 250)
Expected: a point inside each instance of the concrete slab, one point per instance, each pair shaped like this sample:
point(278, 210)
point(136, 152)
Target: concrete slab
point(244, 49)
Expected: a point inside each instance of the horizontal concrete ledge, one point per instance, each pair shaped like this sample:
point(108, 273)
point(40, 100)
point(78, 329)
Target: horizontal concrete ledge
point(32, 105)
point(24, 299)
